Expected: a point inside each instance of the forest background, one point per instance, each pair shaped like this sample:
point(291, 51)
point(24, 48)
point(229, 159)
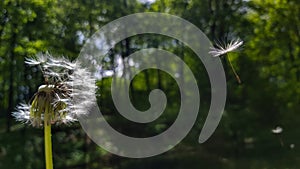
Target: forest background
point(268, 97)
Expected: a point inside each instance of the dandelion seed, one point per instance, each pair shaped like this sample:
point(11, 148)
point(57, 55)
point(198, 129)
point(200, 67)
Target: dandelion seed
point(277, 130)
point(22, 113)
point(54, 101)
point(222, 49)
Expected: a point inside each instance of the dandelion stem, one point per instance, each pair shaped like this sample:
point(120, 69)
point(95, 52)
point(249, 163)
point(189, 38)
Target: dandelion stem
point(236, 75)
point(47, 137)
point(281, 142)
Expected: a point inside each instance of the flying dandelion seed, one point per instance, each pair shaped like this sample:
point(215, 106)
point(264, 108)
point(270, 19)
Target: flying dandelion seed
point(222, 49)
point(53, 102)
point(277, 130)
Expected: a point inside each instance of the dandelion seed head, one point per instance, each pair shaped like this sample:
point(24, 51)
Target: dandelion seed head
point(55, 102)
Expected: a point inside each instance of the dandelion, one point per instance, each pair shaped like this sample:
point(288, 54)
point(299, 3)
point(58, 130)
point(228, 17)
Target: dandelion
point(54, 102)
point(222, 49)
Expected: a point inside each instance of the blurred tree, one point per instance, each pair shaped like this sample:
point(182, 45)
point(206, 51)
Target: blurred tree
point(21, 35)
point(274, 48)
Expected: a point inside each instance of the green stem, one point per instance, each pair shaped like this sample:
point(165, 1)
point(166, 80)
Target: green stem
point(236, 75)
point(47, 137)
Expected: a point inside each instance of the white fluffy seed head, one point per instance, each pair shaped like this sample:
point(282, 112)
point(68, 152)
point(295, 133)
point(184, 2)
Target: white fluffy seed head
point(68, 92)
